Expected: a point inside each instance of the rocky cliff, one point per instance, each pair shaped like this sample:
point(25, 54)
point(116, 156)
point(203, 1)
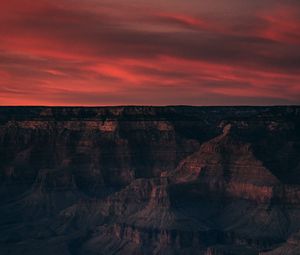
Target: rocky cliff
point(150, 180)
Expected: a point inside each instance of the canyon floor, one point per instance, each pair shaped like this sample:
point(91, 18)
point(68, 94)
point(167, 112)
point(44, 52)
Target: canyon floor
point(141, 180)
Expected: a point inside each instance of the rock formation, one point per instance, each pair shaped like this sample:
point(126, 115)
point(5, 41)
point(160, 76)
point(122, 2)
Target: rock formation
point(150, 180)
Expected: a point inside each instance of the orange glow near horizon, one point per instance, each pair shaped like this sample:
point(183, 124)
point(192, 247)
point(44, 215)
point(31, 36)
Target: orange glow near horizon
point(100, 52)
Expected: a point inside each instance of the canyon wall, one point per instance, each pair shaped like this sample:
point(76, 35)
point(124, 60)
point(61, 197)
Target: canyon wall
point(150, 180)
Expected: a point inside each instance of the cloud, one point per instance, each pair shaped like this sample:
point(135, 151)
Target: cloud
point(93, 52)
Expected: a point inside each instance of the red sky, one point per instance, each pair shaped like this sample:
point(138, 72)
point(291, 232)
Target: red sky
point(117, 52)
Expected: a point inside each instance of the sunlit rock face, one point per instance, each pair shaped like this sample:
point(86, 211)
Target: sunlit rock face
point(150, 180)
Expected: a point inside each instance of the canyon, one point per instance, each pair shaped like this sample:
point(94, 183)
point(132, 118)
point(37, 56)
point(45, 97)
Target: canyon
point(150, 180)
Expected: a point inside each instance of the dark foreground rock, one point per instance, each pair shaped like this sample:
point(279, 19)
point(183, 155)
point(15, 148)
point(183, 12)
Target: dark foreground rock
point(150, 180)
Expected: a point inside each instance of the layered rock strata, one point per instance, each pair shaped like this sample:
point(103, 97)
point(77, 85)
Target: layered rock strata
point(150, 180)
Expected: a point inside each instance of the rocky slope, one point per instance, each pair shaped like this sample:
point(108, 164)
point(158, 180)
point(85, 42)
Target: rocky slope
point(150, 180)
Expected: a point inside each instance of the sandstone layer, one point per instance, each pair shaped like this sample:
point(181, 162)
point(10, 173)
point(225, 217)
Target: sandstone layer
point(150, 180)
